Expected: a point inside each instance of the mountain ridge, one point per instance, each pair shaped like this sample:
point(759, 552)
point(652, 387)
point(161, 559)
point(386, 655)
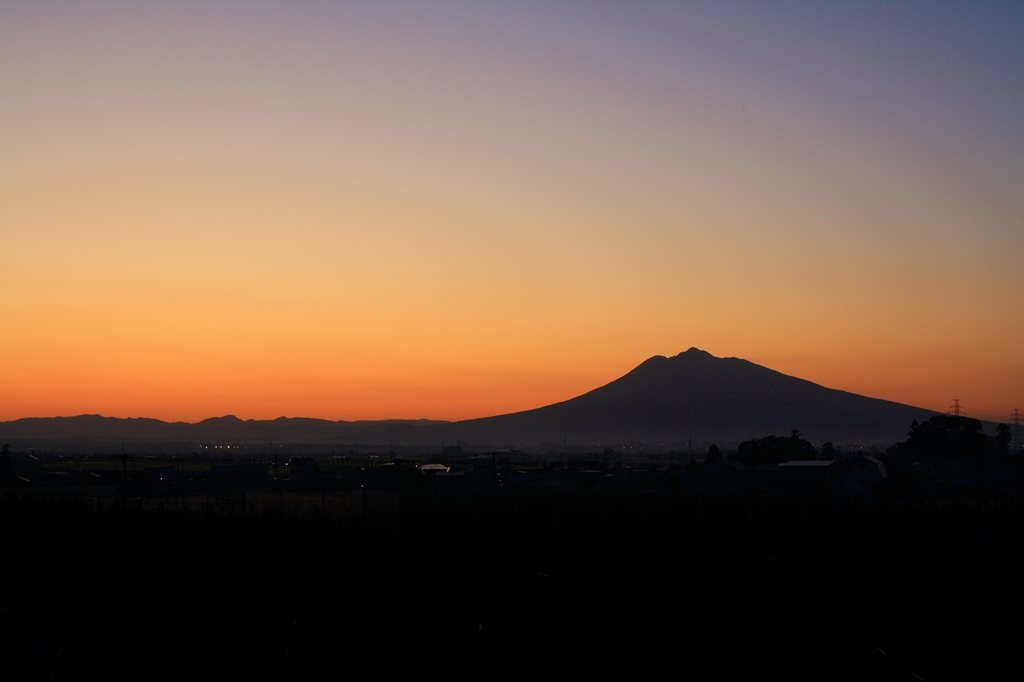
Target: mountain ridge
point(662, 401)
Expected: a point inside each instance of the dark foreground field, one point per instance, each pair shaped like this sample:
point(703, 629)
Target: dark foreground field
point(498, 585)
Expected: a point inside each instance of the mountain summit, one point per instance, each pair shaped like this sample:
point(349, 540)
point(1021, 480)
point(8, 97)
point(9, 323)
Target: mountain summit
point(663, 401)
point(696, 395)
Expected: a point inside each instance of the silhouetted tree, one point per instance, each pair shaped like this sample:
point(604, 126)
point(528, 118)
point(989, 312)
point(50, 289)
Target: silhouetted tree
point(775, 450)
point(1003, 439)
point(828, 451)
point(942, 438)
point(713, 453)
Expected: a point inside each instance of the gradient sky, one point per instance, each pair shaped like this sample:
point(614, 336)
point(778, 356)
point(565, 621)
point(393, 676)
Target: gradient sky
point(452, 210)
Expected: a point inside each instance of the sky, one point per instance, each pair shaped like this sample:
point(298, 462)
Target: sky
point(453, 210)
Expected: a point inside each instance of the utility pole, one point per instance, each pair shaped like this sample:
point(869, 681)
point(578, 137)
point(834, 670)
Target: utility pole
point(124, 472)
point(280, 489)
point(956, 409)
point(1016, 429)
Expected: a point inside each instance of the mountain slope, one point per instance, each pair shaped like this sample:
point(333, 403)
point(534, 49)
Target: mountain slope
point(663, 401)
point(696, 395)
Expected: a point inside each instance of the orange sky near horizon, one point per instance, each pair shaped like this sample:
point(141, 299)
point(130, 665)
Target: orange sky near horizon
point(446, 212)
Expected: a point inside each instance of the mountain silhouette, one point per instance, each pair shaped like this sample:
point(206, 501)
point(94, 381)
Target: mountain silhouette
point(663, 402)
point(695, 395)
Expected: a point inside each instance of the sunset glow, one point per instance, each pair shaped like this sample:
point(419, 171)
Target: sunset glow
point(450, 211)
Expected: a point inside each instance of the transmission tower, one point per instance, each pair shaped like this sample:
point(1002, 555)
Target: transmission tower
point(955, 408)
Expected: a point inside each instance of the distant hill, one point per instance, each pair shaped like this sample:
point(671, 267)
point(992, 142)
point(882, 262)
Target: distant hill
point(661, 403)
point(155, 435)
